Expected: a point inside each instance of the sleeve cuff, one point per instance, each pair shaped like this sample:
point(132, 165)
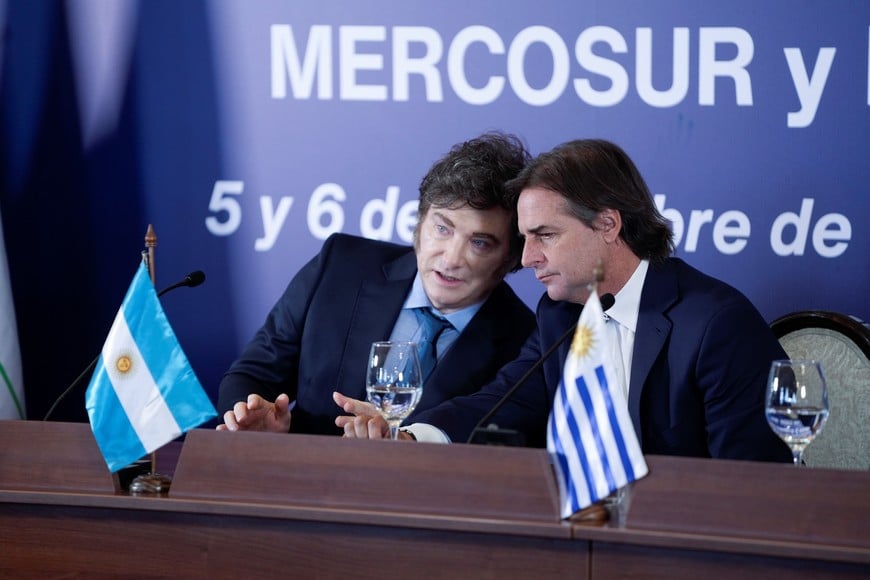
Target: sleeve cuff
point(425, 433)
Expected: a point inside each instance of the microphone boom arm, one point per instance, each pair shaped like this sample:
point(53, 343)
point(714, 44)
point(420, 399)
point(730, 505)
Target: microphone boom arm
point(520, 382)
point(607, 300)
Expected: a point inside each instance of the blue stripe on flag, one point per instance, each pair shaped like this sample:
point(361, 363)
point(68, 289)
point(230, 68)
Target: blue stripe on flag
point(614, 424)
point(561, 456)
point(592, 418)
point(578, 455)
point(112, 428)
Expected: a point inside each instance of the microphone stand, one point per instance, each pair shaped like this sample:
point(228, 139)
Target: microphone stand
point(491, 434)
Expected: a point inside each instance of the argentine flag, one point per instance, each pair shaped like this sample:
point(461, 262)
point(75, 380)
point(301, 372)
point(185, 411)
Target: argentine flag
point(143, 393)
point(590, 436)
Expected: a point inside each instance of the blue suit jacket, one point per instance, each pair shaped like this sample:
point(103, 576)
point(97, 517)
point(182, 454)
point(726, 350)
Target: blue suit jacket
point(317, 337)
point(702, 354)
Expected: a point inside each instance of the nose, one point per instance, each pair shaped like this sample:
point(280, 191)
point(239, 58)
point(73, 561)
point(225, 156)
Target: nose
point(452, 254)
point(531, 254)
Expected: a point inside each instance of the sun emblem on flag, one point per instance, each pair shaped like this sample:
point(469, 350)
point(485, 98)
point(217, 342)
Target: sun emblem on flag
point(583, 341)
point(124, 364)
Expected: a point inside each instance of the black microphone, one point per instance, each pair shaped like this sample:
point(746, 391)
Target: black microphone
point(191, 280)
point(492, 434)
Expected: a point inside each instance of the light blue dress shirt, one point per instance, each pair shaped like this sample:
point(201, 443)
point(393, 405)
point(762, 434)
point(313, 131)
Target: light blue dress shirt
point(408, 328)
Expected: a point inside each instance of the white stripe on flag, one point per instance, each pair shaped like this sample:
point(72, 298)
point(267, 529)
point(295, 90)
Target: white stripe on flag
point(136, 389)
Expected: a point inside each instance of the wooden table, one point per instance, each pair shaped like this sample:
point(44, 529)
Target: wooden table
point(249, 505)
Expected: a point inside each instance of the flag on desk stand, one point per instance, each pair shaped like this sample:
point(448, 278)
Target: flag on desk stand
point(590, 436)
point(11, 382)
point(143, 393)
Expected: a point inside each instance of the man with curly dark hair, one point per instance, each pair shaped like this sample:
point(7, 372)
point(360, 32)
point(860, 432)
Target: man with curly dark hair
point(356, 291)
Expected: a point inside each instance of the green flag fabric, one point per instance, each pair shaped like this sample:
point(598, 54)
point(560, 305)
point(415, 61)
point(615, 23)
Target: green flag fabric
point(11, 383)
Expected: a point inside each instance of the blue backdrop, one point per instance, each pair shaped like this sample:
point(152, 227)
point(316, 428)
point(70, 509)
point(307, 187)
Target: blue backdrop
point(246, 132)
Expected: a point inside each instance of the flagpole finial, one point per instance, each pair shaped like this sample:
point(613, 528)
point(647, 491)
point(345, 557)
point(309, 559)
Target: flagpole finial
point(597, 275)
point(150, 244)
point(150, 237)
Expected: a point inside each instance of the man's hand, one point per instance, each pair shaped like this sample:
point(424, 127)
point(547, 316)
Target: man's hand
point(258, 414)
point(364, 422)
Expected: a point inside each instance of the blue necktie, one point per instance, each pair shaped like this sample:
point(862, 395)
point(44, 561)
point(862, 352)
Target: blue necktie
point(427, 350)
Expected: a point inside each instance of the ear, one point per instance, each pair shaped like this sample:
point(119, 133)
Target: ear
point(610, 224)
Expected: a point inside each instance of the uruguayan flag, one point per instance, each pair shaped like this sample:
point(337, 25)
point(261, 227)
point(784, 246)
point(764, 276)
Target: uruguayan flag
point(589, 435)
point(143, 393)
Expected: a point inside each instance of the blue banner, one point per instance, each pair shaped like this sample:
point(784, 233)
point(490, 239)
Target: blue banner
point(247, 132)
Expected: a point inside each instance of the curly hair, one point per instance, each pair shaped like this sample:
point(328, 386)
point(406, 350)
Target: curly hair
point(474, 174)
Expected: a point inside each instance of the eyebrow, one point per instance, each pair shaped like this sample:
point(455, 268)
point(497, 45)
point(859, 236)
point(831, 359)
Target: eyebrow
point(450, 223)
point(444, 218)
point(537, 229)
point(489, 237)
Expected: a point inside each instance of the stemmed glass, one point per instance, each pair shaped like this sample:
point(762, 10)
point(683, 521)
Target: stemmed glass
point(394, 383)
point(797, 403)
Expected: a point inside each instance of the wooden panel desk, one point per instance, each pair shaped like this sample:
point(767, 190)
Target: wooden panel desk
point(718, 518)
point(260, 506)
point(252, 505)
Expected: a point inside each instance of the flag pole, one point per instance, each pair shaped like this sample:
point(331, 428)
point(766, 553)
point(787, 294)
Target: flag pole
point(151, 482)
point(599, 511)
point(150, 245)
point(597, 277)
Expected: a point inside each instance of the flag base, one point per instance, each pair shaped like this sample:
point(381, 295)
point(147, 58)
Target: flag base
point(594, 514)
point(151, 484)
point(613, 508)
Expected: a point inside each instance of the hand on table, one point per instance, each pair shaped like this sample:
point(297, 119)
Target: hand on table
point(258, 414)
point(364, 421)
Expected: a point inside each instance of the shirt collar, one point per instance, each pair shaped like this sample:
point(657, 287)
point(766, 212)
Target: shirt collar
point(627, 306)
point(417, 298)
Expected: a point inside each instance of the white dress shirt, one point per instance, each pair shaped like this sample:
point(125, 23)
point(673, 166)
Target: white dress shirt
point(623, 324)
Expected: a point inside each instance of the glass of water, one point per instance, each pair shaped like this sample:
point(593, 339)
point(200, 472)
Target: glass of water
point(394, 383)
point(797, 403)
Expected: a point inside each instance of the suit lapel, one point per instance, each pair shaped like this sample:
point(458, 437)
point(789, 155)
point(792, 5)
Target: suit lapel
point(378, 304)
point(473, 348)
point(660, 291)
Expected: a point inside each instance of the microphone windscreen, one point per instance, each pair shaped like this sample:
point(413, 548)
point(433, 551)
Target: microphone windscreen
point(607, 300)
point(195, 278)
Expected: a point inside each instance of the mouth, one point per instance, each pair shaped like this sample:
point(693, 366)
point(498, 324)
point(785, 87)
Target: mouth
point(445, 278)
point(544, 278)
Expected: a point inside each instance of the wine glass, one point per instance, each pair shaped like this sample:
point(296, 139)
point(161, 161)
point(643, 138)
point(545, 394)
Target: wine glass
point(797, 403)
point(394, 383)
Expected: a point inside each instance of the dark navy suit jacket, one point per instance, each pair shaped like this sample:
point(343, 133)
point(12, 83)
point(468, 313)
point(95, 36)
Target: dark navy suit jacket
point(317, 337)
point(702, 354)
